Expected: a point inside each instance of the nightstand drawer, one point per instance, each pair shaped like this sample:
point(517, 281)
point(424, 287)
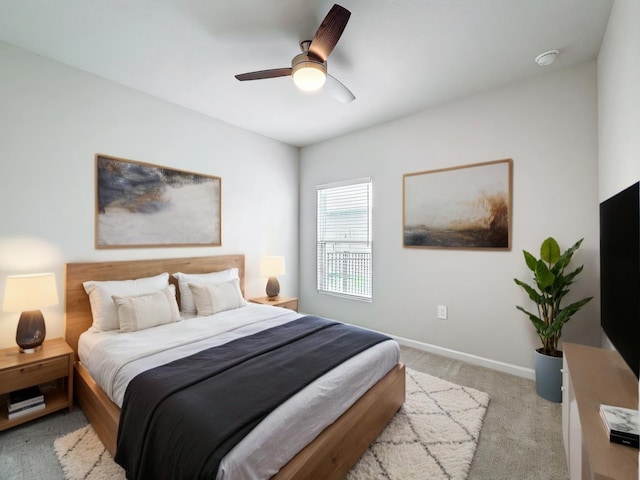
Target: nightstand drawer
point(291, 305)
point(34, 373)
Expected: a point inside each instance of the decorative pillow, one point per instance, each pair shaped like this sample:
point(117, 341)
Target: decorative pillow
point(146, 311)
point(187, 304)
point(218, 297)
point(105, 315)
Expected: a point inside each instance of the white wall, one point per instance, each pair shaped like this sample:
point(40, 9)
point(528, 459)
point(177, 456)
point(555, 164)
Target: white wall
point(55, 119)
point(619, 104)
point(619, 100)
point(548, 126)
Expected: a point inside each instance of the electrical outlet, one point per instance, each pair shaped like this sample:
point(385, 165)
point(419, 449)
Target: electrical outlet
point(442, 312)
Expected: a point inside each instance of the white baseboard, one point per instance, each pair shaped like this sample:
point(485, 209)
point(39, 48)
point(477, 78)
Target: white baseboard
point(467, 357)
point(464, 357)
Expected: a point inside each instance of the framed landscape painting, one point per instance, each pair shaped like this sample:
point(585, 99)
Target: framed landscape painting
point(468, 206)
point(144, 205)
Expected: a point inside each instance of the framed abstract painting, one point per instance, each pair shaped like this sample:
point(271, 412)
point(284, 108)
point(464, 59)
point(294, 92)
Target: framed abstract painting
point(467, 207)
point(144, 205)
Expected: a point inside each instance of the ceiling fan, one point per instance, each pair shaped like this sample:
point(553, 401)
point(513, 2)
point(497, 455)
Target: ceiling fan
point(309, 68)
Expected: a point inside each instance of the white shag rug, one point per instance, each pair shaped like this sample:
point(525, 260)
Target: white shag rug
point(433, 436)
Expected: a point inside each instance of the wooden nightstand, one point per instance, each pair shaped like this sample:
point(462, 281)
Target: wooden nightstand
point(51, 368)
point(285, 302)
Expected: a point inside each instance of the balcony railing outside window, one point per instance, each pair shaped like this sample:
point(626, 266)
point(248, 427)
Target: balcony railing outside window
point(344, 271)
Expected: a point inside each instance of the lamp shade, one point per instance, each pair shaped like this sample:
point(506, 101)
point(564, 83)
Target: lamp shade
point(30, 292)
point(272, 266)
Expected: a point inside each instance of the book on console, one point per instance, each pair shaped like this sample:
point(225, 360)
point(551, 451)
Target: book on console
point(25, 397)
point(622, 424)
point(623, 440)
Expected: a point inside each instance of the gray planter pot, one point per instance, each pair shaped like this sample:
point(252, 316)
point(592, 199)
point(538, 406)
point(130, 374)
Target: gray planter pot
point(548, 377)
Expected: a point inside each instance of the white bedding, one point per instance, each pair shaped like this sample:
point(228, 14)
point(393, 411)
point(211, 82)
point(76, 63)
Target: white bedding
point(113, 359)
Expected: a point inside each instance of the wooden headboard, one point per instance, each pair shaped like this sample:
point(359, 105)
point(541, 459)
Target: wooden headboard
point(77, 307)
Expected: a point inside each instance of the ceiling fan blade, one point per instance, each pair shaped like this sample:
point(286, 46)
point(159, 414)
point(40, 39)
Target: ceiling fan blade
point(337, 90)
point(259, 75)
point(329, 32)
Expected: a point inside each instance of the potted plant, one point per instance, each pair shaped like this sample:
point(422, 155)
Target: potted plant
point(549, 287)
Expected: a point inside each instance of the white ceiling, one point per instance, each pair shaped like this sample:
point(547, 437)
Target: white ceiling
point(396, 56)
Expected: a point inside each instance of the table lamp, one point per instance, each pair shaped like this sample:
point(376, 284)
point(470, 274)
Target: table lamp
point(27, 294)
point(271, 267)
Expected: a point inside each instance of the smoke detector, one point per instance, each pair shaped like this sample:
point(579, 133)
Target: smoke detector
point(547, 58)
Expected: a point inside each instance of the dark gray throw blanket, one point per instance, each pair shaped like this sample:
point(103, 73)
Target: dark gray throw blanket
point(180, 419)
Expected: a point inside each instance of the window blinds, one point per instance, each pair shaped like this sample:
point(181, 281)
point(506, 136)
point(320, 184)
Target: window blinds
point(344, 238)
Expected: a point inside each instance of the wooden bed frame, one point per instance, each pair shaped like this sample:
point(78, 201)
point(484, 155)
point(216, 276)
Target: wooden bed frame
point(330, 456)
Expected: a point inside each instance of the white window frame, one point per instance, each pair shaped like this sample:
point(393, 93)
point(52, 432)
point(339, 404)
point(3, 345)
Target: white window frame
point(344, 249)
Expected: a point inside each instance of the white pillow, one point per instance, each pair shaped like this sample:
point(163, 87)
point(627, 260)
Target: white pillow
point(187, 304)
point(105, 315)
point(146, 311)
point(217, 297)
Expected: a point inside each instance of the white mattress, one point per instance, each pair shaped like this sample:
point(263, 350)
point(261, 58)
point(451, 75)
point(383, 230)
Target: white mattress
point(113, 359)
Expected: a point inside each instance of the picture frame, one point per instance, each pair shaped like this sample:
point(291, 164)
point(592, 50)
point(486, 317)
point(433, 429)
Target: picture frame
point(463, 207)
point(139, 204)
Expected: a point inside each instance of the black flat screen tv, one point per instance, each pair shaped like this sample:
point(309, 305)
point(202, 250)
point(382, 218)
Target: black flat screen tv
point(620, 273)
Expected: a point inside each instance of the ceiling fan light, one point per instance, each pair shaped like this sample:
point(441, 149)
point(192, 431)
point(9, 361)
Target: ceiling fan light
point(309, 76)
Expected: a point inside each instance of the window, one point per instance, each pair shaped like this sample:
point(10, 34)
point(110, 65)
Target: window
point(344, 238)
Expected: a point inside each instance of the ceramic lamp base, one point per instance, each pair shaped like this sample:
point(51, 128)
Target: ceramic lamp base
point(273, 287)
point(31, 331)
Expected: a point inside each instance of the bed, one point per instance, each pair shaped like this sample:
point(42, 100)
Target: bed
point(330, 455)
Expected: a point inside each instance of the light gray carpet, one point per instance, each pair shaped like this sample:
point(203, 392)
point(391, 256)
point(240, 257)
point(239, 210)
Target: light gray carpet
point(521, 437)
point(26, 451)
point(522, 433)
